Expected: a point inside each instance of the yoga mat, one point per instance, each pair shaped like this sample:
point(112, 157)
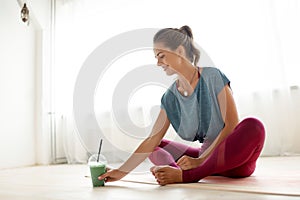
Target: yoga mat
point(254, 184)
point(272, 176)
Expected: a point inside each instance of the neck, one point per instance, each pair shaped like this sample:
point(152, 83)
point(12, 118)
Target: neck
point(186, 79)
point(187, 73)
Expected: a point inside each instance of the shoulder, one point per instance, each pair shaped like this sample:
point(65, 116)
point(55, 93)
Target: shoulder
point(211, 71)
point(214, 78)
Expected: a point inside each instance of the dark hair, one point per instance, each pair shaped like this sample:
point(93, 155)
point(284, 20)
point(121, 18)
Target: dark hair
point(173, 38)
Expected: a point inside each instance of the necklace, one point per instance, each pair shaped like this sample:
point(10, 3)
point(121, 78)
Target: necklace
point(185, 92)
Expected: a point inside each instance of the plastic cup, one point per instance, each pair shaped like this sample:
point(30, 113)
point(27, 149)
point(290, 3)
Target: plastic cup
point(97, 168)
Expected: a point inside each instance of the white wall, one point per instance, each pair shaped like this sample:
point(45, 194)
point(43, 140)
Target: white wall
point(17, 88)
point(21, 62)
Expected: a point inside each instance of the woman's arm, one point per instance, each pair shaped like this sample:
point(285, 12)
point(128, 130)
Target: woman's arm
point(230, 117)
point(159, 130)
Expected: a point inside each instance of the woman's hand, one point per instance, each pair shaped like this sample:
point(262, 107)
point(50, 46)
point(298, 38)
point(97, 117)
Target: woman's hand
point(186, 162)
point(112, 175)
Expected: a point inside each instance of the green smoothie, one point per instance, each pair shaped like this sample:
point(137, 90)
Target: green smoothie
point(97, 169)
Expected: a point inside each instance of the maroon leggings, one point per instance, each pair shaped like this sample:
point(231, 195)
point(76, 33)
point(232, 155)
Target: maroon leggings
point(234, 157)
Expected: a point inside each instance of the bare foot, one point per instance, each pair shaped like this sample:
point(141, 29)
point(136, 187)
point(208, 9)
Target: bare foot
point(166, 174)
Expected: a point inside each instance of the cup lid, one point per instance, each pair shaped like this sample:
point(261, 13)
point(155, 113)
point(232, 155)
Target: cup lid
point(94, 157)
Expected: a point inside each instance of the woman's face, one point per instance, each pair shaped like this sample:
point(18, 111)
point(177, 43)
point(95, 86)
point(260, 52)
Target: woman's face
point(167, 59)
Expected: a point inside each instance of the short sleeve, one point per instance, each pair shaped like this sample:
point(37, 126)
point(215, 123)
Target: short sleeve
point(162, 104)
point(219, 81)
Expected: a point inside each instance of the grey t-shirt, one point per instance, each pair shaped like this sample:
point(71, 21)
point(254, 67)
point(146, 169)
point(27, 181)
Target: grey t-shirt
point(198, 116)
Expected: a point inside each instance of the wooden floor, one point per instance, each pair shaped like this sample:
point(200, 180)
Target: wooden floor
point(275, 178)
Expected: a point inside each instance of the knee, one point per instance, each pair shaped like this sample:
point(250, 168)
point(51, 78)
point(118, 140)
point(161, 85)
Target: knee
point(254, 126)
point(252, 122)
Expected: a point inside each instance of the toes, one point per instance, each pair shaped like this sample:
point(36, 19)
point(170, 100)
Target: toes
point(162, 183)
point(152, 169)
point(156, 169)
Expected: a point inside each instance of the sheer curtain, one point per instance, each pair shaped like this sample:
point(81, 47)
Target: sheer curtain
point(253, 42)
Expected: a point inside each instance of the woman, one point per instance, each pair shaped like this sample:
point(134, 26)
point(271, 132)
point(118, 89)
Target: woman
point(200, 106)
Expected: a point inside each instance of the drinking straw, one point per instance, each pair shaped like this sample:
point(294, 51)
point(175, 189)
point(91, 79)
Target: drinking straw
point(99, 150)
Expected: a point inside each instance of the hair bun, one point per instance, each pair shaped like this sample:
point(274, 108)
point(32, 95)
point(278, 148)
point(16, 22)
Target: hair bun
point(187, 30)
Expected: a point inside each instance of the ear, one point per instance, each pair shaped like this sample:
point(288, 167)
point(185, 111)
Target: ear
point(180, 51)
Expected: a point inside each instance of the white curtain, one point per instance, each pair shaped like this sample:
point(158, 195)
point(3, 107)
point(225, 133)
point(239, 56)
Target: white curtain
point(254, 42)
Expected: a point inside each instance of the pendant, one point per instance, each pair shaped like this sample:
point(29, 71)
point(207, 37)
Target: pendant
point(185, 93)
